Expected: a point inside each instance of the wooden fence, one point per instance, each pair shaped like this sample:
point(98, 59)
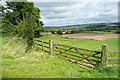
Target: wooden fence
point(83, 57)
point(114, 58)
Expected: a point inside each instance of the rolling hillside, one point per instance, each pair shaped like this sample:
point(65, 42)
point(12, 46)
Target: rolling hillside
point(113, 26)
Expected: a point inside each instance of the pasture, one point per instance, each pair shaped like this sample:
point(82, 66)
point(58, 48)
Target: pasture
point(37, 64)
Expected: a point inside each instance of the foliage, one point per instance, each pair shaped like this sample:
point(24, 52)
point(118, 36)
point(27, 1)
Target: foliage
point(67, 32)
point(23, 21)
point(59, 32)
point(53, 32)
point(118, 32)
point(73, 31)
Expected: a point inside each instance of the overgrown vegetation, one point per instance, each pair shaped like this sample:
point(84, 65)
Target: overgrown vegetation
point(17, 64)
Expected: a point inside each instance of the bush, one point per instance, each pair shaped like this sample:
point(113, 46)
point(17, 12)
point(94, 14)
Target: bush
point(73, 31)
point(59, 32)
point(67, 32)
point(53, 32)
point(117, 32)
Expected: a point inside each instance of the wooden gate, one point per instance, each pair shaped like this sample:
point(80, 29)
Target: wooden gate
point(83, 57)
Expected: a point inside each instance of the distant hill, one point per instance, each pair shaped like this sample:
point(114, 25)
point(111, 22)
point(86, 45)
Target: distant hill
point(86, 26)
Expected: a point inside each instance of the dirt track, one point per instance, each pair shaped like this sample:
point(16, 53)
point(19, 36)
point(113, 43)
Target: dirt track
point(96, 36)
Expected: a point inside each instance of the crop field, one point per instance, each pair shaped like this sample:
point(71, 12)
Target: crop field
point(95, 36)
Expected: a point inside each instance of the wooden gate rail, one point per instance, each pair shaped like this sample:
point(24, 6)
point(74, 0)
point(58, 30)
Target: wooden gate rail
point(76, 48)
point(76, 56)
point(82, 53)
point(113, 58)
point(114, 50)
point(83, 65)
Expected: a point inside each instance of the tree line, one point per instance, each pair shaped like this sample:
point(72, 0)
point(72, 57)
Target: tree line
point(60, 32)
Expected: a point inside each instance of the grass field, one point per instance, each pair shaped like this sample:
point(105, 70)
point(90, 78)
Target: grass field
point(86, 44)
point(82, 43)
point(36, 64)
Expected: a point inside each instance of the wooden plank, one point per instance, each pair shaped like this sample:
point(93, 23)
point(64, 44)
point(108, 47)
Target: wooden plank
point(65, 50)
point(78, 56)
point(38, 40)
point(82, 53)
point(46, 42)
point(85, 57)
point(42, 41)
point(75, 47)
point(77, 63)
point(114, 50)
point(114, 65)
point(70, 54)
point(113, 58)
point(104, 55)
point(46, 51)
point(84, 66)
point(95, 60)
point(39, 44)
point(46, 46)
point(77, 59)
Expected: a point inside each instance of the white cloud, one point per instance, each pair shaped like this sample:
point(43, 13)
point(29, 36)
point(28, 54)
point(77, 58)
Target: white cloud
point(73, 0)
point(69, 13)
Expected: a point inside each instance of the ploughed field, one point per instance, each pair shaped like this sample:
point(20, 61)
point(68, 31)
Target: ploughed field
point(95, 36)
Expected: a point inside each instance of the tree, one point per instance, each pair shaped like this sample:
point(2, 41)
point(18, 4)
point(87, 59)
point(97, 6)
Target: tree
point(59, 32)
point(23, 21)
point(53, 32)
point(67, 32)
point(73, 31)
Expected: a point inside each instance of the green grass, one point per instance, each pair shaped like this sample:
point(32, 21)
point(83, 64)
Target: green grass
point(86, 44)
point(0, 58)
point(36, 64)
point(82, 43)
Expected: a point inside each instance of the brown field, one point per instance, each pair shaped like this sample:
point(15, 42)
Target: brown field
point(95, 36)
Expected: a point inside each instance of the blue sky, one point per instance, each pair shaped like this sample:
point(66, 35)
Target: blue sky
point(72, 12)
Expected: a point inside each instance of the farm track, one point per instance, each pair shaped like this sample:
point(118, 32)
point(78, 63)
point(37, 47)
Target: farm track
point(94, 36)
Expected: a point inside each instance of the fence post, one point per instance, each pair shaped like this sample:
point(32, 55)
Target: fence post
point(42, 46)
point(104, 55)
point(51, 47)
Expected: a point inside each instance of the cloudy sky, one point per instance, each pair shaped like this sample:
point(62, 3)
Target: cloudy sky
point(71, 13)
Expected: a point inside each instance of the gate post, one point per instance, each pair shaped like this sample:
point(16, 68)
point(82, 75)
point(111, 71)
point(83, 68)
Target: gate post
point(104, 55)
point(51, 47)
